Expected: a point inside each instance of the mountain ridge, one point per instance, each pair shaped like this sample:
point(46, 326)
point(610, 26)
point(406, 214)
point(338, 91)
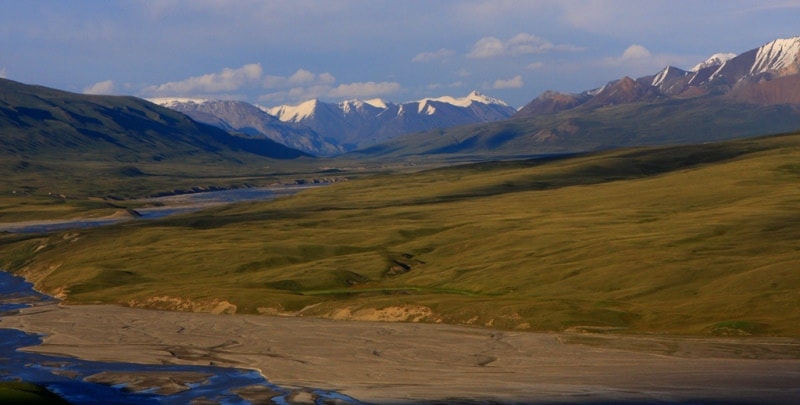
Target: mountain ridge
point(248, 119)
point(49, 123)
point(754, 93)
point(720, 73)
point(358, 123)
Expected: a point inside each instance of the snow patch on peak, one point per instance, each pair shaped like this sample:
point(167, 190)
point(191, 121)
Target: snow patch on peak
point(294, 113)
point(376, 102)
point(464, 101)
point(482, 98)
point(171, 101)
point(594, 92)
point(428, 110)
point(661, 76)
point(358, 105)
point(716, 59)
point(776, 55)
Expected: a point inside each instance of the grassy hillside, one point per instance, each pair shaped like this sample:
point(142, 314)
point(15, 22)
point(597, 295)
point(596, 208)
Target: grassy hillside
point(700, 239)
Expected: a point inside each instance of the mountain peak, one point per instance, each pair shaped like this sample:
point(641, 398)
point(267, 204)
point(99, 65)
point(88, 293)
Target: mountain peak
point(473, 96)
point(294, 113)
point(715, 60)
point(170, 101)
point(376, 102)
point(781, 55)
point(482, 98)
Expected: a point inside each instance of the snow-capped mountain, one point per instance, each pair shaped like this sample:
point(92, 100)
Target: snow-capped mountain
point(245, 118)
point(769, 74)
point(715, 60)
point(358, 123)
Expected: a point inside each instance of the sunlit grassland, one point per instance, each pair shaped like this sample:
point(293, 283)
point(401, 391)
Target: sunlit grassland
point(700, 239)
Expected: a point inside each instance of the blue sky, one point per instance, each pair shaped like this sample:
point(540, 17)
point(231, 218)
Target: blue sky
point(278, 52)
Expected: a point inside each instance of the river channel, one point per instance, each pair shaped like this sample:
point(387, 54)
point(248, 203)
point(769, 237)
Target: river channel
point(160, 207)
point(87, 382)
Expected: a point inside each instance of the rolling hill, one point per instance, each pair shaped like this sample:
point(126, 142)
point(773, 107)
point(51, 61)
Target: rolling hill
point(696, 239)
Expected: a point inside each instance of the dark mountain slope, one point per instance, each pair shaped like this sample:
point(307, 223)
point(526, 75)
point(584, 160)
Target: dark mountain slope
point(46, 123)
point(245, 118)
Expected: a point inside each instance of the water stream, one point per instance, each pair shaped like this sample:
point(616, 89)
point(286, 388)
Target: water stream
point(160, 207)
point(73, 378)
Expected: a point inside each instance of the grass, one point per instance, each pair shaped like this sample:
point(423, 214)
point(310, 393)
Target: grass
point(27, 393)
point(53, 189)
point(698, 240)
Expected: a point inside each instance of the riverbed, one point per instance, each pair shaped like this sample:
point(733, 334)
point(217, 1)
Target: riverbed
point(392, 363)
point(111, 382)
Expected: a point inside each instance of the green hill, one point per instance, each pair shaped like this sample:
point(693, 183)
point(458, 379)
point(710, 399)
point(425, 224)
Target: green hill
point(701, 239)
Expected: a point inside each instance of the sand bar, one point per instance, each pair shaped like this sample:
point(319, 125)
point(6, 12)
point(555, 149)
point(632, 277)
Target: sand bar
point(414, 363)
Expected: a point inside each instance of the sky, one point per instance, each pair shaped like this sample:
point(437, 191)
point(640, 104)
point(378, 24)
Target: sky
point(285, 52)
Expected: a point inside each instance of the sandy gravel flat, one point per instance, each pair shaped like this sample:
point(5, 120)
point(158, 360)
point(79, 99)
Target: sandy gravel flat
point(419, 363)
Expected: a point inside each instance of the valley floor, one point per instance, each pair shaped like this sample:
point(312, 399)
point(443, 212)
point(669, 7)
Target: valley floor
point(414, 363)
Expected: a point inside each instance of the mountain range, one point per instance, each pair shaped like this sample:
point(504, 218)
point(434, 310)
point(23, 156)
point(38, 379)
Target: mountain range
point(44, 123)
point(247, 119)
point(326, 129)
point(727, 96)
point(765, 76)
point(357, 123)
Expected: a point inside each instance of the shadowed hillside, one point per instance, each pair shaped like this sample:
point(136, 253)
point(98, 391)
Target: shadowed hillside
point(44, 123)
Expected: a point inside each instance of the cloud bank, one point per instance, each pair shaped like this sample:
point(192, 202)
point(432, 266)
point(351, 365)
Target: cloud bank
point(520, 44)
point(104, 87)
point(441, 54)
point(514, 83)
point(300, 85)
point(226, 80)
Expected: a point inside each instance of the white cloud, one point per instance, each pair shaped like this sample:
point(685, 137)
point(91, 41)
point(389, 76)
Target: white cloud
point(441, 54)
point(487, 47)
point(302, 76)
point(3, 73)
point(343, 91)
point(295, 94)
point(364, 89)
point(635, 52)
point(520, 44)
point(299, 78)
point(514, 83)
point(225, 81)
point(104, 87)
point(634, 55)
